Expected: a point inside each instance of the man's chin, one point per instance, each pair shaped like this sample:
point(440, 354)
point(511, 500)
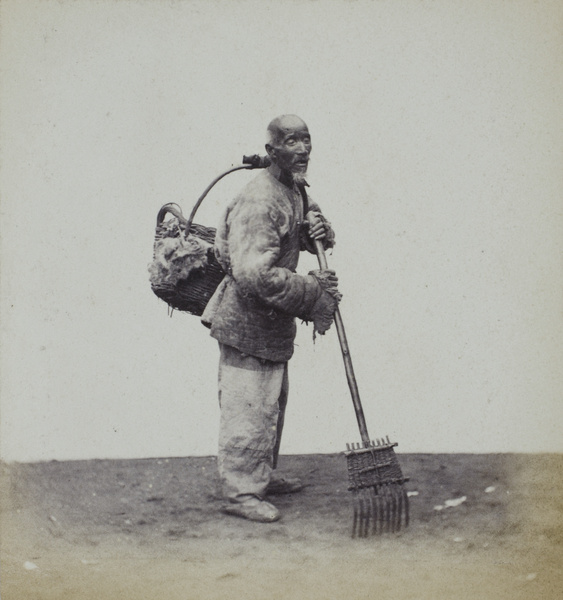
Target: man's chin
point(299, 176)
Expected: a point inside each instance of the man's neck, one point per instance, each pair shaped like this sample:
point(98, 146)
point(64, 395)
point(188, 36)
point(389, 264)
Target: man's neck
point(285, 177)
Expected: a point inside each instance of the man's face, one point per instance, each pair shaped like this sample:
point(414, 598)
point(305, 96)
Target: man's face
point(292, 145)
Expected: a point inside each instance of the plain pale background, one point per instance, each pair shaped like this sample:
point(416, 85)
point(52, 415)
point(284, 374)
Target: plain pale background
point(437, 151)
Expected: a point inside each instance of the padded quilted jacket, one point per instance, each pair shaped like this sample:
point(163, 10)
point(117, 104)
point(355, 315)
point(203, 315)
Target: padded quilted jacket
point(258, 242)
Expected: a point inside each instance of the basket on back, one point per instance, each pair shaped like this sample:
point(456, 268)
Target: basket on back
point(184, 271)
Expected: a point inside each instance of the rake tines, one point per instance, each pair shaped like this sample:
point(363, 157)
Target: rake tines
point(376, 480)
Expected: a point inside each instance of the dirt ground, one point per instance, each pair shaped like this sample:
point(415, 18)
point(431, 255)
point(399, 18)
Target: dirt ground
point(140, 529)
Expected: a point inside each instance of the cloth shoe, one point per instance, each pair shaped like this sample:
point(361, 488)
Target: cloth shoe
point(284, 485)
point(253, 509)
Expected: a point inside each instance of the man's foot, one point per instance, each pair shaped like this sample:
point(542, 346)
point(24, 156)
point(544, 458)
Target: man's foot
point(253, 509)
point(284, 485)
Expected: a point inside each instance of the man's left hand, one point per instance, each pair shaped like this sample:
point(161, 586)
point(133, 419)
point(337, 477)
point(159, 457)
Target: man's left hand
point(318, 226)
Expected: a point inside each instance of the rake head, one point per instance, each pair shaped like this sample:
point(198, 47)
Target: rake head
point(375, 478)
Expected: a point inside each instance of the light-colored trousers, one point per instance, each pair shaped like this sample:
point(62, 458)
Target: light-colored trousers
point(252, 397)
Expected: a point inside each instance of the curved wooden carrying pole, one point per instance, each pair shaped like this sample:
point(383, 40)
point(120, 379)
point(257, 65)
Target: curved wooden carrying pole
point(253, 161)
point(208, 189)
point(352, 383)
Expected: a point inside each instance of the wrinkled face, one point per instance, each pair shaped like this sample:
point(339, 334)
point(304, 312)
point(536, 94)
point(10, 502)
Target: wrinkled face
point(290, 145)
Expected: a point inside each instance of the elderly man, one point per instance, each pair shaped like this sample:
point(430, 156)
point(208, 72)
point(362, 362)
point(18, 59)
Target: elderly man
point(252, 316)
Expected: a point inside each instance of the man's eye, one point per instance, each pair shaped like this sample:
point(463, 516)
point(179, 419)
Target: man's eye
point(306, 140)
point(290, 141)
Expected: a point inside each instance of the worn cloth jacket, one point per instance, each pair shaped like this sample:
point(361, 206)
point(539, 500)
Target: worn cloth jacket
point(258, 241)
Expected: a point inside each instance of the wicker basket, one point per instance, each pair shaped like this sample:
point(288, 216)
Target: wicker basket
point(192, 294)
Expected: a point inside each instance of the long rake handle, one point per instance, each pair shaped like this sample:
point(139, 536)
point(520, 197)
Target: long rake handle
point(352, 383)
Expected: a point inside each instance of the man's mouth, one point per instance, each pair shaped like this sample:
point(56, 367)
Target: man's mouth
point(301, 164)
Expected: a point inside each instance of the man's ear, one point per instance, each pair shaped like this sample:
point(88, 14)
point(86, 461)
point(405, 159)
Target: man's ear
point(270, 150)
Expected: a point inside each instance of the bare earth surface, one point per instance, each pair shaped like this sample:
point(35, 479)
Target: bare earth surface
point(140, 529)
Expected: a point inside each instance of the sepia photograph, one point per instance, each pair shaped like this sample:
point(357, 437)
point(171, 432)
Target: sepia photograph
point(337, 219)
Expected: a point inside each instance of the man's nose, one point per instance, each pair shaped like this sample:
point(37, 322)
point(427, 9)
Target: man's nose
point(303, 148)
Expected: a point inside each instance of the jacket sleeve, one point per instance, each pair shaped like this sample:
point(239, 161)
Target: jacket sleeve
point(255, 232)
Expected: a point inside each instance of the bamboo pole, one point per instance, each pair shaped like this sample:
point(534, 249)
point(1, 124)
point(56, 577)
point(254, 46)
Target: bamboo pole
point(352, 383)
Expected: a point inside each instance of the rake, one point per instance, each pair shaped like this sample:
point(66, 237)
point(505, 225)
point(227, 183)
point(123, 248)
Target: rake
point(374, 475)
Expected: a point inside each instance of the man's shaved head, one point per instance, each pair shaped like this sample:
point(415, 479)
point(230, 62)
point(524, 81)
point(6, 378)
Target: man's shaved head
point(289, 145)
point(282, 125)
